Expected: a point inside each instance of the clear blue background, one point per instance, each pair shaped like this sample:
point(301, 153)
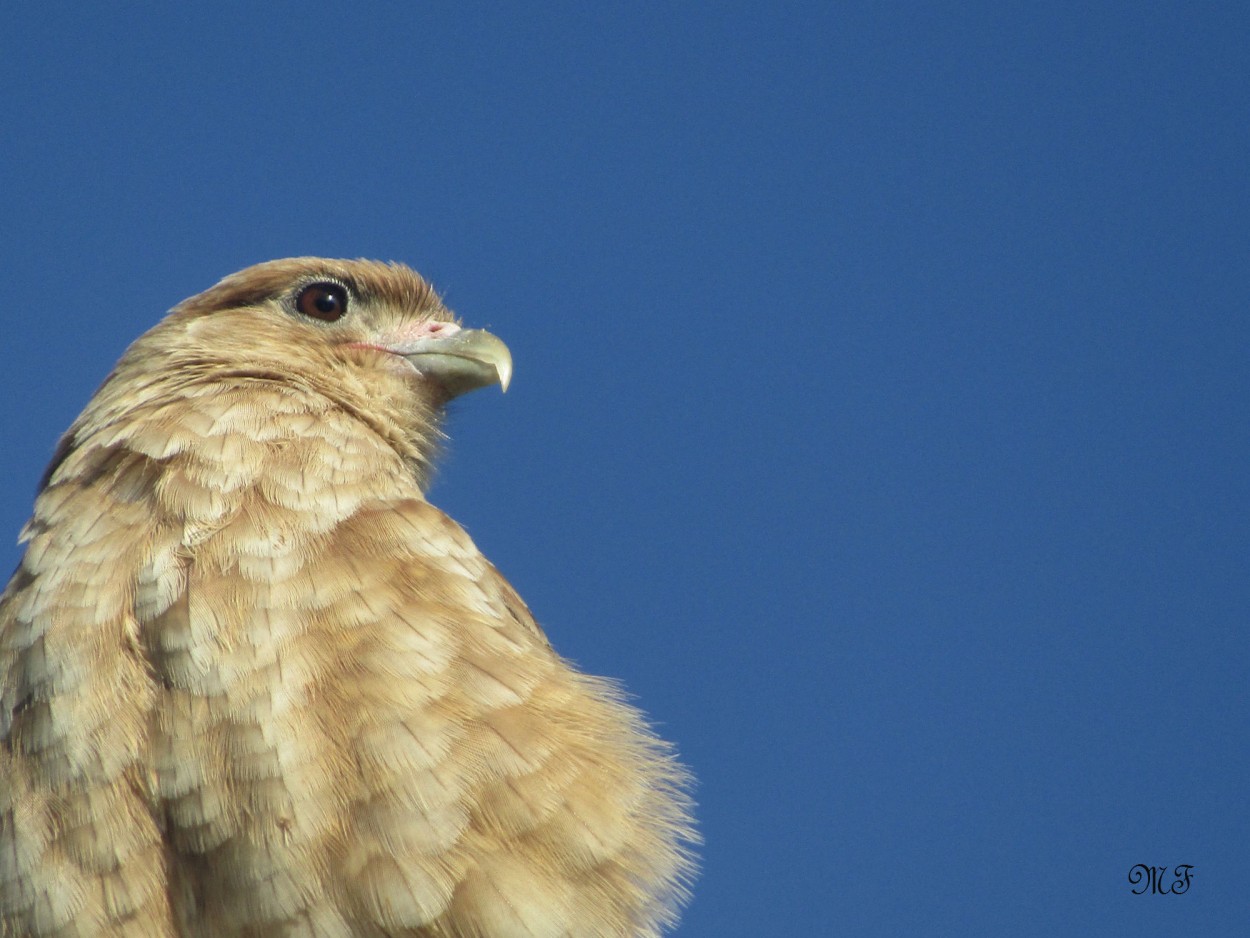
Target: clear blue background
point(880, 412)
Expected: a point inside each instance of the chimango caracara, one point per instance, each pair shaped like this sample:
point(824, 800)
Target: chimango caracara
point(252, 683)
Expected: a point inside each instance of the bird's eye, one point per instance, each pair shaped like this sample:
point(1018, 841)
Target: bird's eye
point(324, 301)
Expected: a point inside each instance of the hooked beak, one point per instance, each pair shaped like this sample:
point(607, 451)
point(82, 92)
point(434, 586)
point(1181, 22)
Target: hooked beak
point(462, 361)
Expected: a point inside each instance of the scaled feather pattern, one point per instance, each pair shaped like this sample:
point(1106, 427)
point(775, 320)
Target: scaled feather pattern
point(253, 684)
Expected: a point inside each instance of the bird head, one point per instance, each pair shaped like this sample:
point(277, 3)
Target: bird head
point(373, 338)
point(345, 310)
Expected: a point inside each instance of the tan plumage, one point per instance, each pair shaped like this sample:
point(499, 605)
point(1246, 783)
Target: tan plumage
point(252, 683)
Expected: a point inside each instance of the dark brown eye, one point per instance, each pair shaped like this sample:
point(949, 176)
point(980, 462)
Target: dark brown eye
point(324, 301)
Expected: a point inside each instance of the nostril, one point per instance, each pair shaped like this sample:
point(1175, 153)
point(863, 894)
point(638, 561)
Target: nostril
point(421, 331)
point(438, 328)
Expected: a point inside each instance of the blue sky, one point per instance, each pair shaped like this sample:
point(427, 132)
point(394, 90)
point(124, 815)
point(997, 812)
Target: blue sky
point(880, 400)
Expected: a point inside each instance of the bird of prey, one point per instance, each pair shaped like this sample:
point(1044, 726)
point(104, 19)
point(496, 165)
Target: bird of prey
point(252, 683)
